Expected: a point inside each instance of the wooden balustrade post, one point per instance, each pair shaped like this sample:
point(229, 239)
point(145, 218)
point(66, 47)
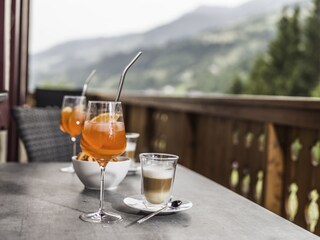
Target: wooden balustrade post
point(274, 172)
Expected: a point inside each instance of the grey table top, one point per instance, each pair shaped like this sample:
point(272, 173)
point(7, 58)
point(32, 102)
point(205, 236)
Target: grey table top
point(39, 202)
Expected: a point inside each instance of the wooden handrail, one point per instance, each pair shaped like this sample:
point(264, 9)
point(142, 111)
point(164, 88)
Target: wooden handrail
point(292, 111)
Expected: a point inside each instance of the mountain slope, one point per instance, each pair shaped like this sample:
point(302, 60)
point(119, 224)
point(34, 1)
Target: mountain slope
point(213, 18)
point(169, 50)
point(207, 63)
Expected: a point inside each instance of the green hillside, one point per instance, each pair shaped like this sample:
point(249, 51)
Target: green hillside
point(207, 63)
point(204, 61)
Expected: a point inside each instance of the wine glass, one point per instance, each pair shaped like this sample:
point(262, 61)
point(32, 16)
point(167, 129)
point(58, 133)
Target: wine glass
point(103, 138)
point(73, 114)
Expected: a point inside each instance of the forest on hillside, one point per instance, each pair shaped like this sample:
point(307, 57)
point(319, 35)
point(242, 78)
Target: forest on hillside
point(291, 64)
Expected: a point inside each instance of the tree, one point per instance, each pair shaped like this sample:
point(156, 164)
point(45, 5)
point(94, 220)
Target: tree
point(311, 59)
point(236, 86)
point(273, 72)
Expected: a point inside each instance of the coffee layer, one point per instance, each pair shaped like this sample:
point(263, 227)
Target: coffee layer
point(158, 172)
point(157, 182)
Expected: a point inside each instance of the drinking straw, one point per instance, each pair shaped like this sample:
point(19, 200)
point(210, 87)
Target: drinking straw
point(85, 86)
point(124, 75)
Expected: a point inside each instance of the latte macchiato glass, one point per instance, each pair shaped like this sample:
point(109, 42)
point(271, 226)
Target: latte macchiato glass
point(130, 152)
point(158, 172)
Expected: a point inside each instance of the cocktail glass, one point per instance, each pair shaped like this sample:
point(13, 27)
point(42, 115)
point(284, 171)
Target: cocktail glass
point(103, 138)
point(73, 114)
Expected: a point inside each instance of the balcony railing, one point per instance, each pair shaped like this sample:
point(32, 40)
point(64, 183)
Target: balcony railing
point(264, 148)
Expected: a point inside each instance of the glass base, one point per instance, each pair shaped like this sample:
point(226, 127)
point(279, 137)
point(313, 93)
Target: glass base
point(101, 217)
point(69, 169)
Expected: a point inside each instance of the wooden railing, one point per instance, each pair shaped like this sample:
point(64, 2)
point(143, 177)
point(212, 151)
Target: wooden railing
point(264, 148)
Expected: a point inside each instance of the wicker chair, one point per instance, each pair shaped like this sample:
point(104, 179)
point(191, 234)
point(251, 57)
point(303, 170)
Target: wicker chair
point(39, 130)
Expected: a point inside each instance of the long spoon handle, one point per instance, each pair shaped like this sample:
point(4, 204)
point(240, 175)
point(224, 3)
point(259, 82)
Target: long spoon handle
point(151, 215)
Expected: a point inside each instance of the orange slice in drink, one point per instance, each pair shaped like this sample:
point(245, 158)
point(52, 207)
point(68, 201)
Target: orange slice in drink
point(67, 110)
point(105, 117)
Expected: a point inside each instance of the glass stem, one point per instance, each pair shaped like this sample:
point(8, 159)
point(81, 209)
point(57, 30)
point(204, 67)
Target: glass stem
point(74, 141)
point(102, 188)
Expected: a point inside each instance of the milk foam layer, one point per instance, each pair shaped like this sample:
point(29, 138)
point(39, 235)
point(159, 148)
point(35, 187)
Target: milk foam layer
point(131, 146)
point(157, 172)
point(157, 197)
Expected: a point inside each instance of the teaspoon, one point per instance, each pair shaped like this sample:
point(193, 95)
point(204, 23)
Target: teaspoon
point(174, 204)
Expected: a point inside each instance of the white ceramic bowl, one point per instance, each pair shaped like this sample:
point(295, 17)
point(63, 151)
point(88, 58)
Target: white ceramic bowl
point(89, 173)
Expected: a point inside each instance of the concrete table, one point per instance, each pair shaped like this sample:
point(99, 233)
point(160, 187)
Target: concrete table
point(39, 202)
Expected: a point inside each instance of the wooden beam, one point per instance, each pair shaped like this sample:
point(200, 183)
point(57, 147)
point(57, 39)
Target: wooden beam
point(290, 111)
point(274, 172)
point(2, 45)
point(18, 67)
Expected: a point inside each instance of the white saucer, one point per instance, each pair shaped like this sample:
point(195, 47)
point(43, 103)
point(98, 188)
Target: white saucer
point(136, 202)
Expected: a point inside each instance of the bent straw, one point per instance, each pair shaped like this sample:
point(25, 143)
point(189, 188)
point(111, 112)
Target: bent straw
point(85, 86)
point(124, 75)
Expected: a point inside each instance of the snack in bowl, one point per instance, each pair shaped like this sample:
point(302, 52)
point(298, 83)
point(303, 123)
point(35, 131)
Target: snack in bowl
point(88, 171)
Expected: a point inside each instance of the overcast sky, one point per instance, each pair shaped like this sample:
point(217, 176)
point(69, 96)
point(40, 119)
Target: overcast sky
point(56, 21)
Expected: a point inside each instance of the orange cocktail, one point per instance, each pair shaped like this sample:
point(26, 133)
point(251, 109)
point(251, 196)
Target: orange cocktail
point(72, 120)
point(103, 139)
point(73, 114)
